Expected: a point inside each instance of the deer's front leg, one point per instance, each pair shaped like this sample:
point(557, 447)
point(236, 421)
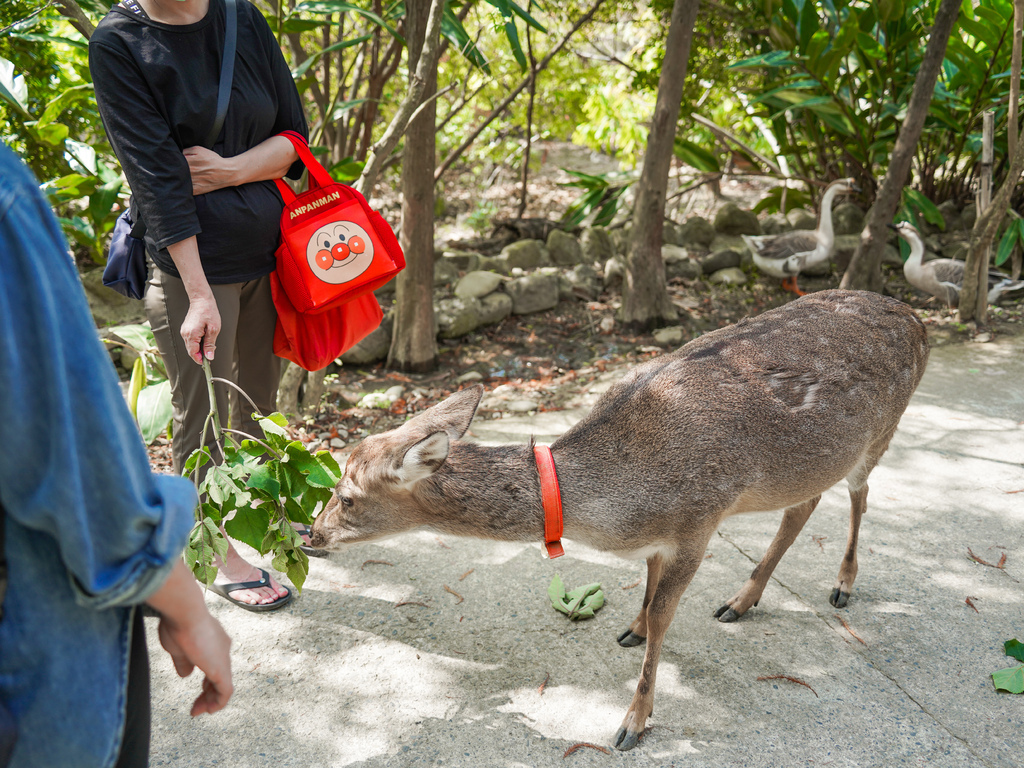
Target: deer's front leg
point(675, 576)
point(636, 634)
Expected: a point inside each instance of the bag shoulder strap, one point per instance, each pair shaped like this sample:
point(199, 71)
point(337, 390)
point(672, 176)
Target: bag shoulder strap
point(227, 70)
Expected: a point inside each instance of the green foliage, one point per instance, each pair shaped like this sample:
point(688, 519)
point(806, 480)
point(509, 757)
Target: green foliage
point(1011, 679)
point(600, 198)
point(149, 391)
point(772, 201)
point(1012, 239)
point(256, 491)
point(581, 603)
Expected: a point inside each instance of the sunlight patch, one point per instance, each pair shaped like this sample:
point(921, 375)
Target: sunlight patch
point(567, 712)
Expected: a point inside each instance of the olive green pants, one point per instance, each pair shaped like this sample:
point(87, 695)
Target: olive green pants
point(244, 355)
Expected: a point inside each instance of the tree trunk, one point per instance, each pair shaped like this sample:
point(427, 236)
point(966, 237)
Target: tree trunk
point(865, 270)
point(645, 300)
point(529, 119)
point(984, 232)
point(414, 340)
point(1013, 116)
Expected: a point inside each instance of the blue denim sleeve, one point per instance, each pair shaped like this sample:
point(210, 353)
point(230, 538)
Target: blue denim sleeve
point(72, 464)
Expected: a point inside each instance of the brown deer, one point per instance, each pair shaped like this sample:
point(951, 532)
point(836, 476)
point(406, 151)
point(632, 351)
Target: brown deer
point(763, 415)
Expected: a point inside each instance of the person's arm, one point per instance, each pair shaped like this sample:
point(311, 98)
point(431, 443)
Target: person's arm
point(268, 160)
point(202, 322)
point(193, 638)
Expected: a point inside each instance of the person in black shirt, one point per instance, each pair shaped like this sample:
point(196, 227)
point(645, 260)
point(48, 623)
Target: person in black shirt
point(212, 215)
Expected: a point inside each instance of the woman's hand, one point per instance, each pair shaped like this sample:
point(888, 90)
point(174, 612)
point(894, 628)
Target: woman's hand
point(201, 328)
point(209, 170)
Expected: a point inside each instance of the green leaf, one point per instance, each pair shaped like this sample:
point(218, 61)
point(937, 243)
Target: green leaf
point(13, 88)
point(304, 66)
point(1010, 679)
point(336, 6)
point(154, 409)
point(771, 60)
point(102, 200)
point(138, 337)
point(511, 32)
point(297, 570)
point(330, 465)
point(926, 207)
point(250, 526)
point(53, 134)
point(1006, 246)
point(1014, 648)
point(263, 478)
point(696, 156)
point(556, 593)
point(301, 459)
point(456, 34)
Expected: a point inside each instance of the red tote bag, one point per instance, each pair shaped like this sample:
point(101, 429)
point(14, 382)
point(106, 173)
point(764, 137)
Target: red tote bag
point(334, 247)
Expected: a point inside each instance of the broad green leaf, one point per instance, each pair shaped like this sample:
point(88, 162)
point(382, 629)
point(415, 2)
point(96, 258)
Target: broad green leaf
point(521, 12)
point(980, 32)
point(556, 593)
point(1010, 679)
point(336, 6)
point(511, 32)
point(274, 424)
point(456, 34)
point(1006, 246)
point(264, 479)
point(154, 410)
point(1014, 648)
point(297, 570)
point(102, 200)
point(330, 465)
point(342, 107)
point(346, 170)
point(249, 526)
point(138, 337)
point(773, 59)
point(61, 102)
point(696, 156)
point(13, 88)
point(53, 134)
point(807, 24)
point(926, 207)
point(135, 385)
point(199, 457)
point(301, 459)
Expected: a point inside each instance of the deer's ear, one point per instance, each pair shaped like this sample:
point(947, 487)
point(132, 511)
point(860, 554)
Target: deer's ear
point(423, 459)
point(453, 415)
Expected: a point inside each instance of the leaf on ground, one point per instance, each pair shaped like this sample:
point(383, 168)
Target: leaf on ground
point(1014, 648)
point(1010, 679)
point(580, 603)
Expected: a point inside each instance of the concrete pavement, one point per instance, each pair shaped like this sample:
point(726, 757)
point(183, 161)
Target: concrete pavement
point(477, 669)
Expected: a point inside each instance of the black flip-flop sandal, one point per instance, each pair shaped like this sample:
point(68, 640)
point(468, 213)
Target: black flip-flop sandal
point(224, 589)
point(310, 551)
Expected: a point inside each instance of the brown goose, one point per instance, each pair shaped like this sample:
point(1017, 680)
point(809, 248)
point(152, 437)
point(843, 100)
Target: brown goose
point(786, 254)
point(943, 278)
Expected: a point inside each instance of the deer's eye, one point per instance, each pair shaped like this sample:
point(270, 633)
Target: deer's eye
point(346, 501)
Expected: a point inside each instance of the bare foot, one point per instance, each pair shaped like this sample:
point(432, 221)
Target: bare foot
point(234, 569)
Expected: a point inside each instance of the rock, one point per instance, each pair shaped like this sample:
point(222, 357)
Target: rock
point(584, 282)
point(520, 406)
point(497, 264)
point(669, 337)
point(969, 215)
point(720, 260)
point(564, 249)
point(445, 272)
point(951, 215)
point(891, 255)
point(733, 220)
point(775, 224)
point(525, 254)
point(696, 232)
point(533, 293)
point(477, 284)
point(843, 250)
point(469, 376)
point(374, 347)
point(394, 393)
point(495, 307)
point(672, 234)
point(596, 245)
point(678, 263)
point(620, 239)
point(457, 317)
point(108, 306)
point(614, 270)
point(607, 324)
point(802, 219)
point(465, 261)
point(337, 442)
point(956, 249)
point(847, 219)
point(731, 243)
point(729, 276)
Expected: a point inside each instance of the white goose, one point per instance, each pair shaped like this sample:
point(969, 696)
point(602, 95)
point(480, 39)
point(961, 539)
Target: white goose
point(786, 254)
point(943, 278)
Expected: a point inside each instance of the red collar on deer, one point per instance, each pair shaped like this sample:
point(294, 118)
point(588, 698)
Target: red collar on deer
point(551, 498)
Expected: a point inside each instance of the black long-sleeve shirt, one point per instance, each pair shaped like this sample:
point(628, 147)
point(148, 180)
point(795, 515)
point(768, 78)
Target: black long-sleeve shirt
point(156, 87)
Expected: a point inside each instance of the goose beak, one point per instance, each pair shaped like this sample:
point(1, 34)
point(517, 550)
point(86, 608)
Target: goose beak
point(892, 226)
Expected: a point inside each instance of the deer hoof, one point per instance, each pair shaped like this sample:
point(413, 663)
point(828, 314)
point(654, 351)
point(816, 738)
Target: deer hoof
point(726, 614)
point(626, 740)
point(839, 598)
point(630, 639)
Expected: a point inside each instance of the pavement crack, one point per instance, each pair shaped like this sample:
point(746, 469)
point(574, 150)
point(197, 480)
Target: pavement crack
point(865, 653)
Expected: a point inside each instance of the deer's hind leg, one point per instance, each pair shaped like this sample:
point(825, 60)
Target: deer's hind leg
point(858, 482)
point(637, 632)
point(793, 520)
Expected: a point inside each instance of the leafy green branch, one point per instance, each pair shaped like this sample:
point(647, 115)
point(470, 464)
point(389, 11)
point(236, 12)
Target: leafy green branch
point(1011, 679)
point(255, 492)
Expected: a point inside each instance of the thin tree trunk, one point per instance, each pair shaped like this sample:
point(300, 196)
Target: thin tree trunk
point(529, 119)
point(645, 300)
point(414, 340)
point(984, 232)
point(865, 269)
point(1013, 117)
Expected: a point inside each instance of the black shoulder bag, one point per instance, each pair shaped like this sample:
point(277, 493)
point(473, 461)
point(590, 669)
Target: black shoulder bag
point(126, 261)
point(8, 728)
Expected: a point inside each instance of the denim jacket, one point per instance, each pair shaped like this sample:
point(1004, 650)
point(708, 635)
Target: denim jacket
point(91, 531)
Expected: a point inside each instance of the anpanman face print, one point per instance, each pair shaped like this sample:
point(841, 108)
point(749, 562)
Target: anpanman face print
point(339, 252)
